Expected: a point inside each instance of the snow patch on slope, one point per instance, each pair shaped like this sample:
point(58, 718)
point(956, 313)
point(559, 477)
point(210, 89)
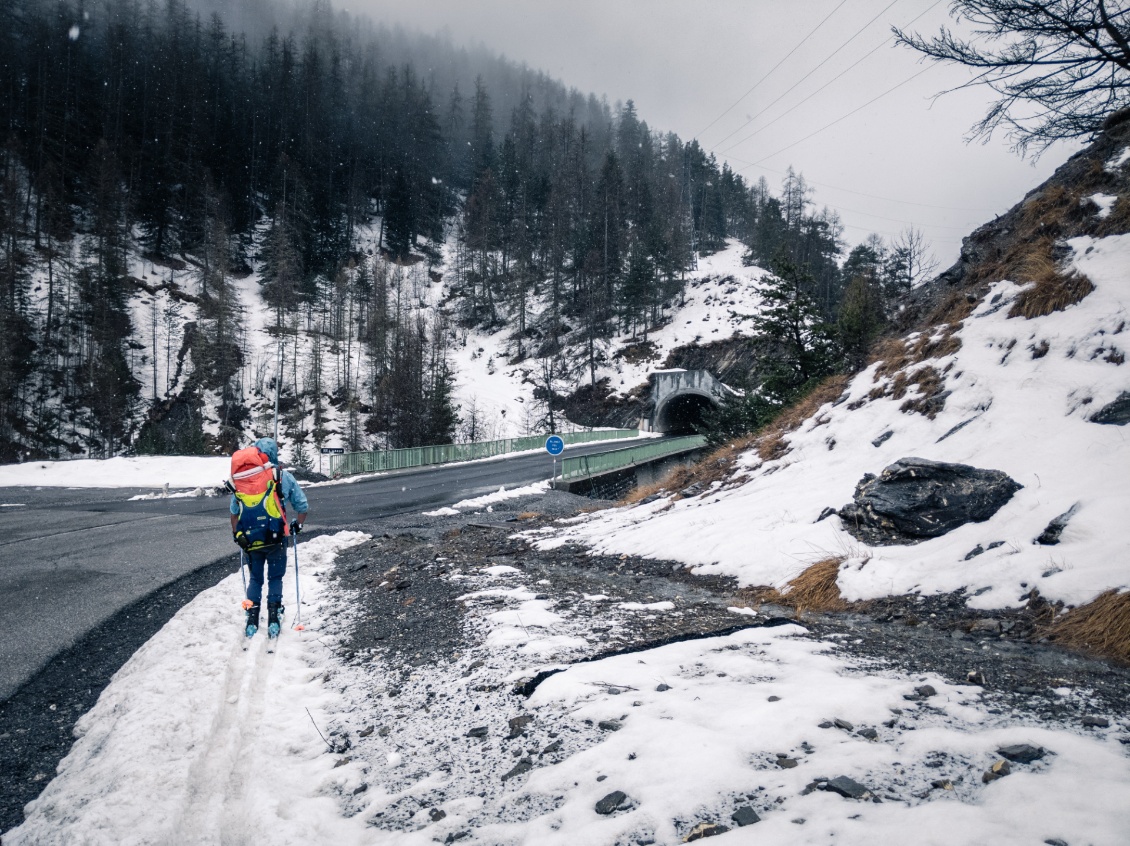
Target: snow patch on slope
point(1021, 393)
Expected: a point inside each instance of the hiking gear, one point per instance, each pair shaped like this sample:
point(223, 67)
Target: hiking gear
point(252, 620)
point(267, 565)
point(297, 592)
point(274, 619)
point(295, 527)
point(251, 470)
point(261, 521)
point(242, 538)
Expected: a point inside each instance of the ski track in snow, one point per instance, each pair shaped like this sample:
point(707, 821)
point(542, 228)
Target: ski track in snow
point(197, 741)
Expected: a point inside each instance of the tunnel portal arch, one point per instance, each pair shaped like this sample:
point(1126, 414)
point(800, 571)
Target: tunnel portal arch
point(681, 398)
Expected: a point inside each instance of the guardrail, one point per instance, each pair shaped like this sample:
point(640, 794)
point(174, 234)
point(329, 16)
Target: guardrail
point(605, 462)
point(351, 463)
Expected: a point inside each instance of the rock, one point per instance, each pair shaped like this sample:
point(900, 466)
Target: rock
point(942, 784)
point(826, 513)
point(553, 747)
point(843, 724)
point(914, 499)
point(974, 552)
point(975, 677)
point(882, 439)
point(1051, 534)
point(848, 788)
point(1022, 753)
point(523, 766)
point(989, 625)
point(824, 725)
point(609, 725)
point(365, 732)
point(478, 731)
point(869, 733)
point(457, 835)
point(614, 801)
point(1055, 841)
point(926, 691)
point(786, 763)
point(1116, 413)
point(663, 687)
point(998, 770)
point(705, 829)
point(745, 815)
point(1090, 721)
point(518, 725)
point(774, 699)
point(437, 814)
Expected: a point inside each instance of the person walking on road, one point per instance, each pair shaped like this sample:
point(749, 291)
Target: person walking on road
point(284, 495)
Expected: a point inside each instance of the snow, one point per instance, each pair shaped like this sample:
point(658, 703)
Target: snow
point(488, 500)
point(1105, 202)
point(176, 471)
point(197, 741)
point(1118, 161)
point(718, 294)
point(1026, 414)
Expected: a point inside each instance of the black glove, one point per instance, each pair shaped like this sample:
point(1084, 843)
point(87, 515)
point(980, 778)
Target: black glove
point(242, 539)
point(295, 527)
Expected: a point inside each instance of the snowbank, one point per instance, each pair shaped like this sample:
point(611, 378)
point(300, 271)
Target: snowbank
point(197, 741)
point(1021, 391)
point(176, 471)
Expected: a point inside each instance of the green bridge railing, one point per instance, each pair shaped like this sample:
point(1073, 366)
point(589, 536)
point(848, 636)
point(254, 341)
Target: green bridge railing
point(605, 462)
point(351, 463)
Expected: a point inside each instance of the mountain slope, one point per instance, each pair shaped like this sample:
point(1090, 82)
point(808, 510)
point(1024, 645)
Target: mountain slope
point(1006, 370)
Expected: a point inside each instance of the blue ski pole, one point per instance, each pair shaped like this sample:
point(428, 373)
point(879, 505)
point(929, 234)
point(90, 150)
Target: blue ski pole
point(297, 590)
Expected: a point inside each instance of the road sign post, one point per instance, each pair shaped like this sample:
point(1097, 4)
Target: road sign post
point(329, 451)
point(554, 445)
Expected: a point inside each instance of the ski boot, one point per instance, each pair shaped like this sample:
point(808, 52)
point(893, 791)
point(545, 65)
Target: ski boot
point(274, 618)
point(252, 619)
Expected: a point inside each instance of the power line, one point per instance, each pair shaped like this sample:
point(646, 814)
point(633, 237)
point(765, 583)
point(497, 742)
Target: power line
point(842, 118)
point(836, 78)
point(767, 75)
point(864, 194)
point(827, 59)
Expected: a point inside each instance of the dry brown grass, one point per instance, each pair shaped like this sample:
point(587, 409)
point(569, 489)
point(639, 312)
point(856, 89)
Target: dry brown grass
point(1053, 291)
point(715, 467)
point(770, 441)
point(1101, 627)
point(529, 515)
point(898, 354)
point(1118, 221)
point(813, 590)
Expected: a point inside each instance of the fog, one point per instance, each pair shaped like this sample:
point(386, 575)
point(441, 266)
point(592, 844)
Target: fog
point(901, 160)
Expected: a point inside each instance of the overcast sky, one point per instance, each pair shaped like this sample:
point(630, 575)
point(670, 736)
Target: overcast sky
point(899, 161)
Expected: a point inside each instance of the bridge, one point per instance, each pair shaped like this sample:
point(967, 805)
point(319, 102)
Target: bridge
point(679, 398)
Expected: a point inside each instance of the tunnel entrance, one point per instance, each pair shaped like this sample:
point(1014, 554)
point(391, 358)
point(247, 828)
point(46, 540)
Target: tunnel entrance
point(681, 413)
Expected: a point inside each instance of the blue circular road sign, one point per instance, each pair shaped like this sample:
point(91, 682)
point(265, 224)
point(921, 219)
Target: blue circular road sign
point(554, 445)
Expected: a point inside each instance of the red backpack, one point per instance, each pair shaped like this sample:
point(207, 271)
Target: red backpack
point(251, 471)
point(261, 518)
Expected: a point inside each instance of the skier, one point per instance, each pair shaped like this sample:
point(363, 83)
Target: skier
point(272, 554)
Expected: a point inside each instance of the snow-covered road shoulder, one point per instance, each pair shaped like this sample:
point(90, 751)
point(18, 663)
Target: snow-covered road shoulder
point(197, 741)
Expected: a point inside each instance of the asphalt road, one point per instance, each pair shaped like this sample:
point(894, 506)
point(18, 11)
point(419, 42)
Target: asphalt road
point(70, 559)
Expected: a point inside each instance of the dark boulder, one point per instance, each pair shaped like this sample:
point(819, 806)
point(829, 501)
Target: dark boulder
point(1115, 413)
point(915, 499)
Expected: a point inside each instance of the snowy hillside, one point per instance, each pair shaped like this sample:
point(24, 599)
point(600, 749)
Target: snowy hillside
point(500, 395)
point(1017, 396)
point(718, 294)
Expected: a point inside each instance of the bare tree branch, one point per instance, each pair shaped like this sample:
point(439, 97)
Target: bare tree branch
point(1060, 68)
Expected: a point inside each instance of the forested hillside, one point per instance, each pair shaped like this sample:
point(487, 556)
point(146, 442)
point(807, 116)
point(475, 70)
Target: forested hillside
point(170, 178)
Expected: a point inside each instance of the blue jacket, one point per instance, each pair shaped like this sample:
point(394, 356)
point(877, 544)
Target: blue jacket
point(291, 495)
